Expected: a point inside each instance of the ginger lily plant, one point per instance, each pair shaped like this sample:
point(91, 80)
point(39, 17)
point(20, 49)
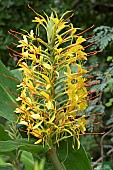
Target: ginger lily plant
point(53, 89)
point(52, 94)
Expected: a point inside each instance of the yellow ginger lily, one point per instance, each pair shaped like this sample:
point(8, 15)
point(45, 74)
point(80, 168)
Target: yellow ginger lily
point(52, 93)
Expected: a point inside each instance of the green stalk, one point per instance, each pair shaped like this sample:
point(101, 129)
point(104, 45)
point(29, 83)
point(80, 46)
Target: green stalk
point(52, 152)
point(54, 159)
point(60, 95)
point(61, 90)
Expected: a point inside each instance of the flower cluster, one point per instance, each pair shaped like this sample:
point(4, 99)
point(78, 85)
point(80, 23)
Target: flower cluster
point(53, 88)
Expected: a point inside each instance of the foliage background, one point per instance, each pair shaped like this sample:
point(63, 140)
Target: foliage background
point(16, 15)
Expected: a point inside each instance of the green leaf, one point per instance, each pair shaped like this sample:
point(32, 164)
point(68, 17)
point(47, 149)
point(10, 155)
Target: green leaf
point(7, 146)
point(73, 159)
point(27, 159)
point(6, 166)
point(17, 73)
point(110, 121)
point(111, 100)
point(7, 105)
point(3, 134)
point(4, 137)
point(11, 145)
point(39, 164)
point(109, 58)
point(106, 166)
point(108, 104)
point(8, 81)
point(8, 93)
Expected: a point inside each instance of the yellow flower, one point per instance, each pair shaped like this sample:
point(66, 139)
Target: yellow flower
point(24, 42)
point(80, 40)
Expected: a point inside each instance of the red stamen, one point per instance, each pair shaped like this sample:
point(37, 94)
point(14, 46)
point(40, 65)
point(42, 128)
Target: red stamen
point(12, 105)
point(12, 92)
point(90, 98)
point(11, 78)
point(90, 44)
point(90, 37)
point(85, 30)
point(93, 53)
point(93, 133)
point(12, 50)
point(69, 17)
point(16, 32)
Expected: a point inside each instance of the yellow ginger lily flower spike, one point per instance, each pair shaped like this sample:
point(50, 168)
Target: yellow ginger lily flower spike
point(53, 94)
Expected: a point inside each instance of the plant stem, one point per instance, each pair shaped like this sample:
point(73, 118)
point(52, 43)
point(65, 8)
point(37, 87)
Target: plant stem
point(54, 159)
point(16, 166)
